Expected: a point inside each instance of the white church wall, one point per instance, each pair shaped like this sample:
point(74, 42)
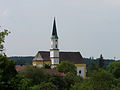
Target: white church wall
point(55, 60)
point(54, 53)
point(81, 71)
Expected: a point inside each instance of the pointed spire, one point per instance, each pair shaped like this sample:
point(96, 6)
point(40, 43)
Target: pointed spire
point(54, 32)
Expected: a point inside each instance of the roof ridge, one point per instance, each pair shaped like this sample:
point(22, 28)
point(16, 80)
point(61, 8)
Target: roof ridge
point(63, 51)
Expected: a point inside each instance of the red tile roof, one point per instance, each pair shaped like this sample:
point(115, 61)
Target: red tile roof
point(19, 67)
point(54, 72)
point(49, 71)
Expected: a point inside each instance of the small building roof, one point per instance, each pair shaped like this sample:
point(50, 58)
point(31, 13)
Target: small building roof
point(19, 67)
point(74, 57)
point(54, 72)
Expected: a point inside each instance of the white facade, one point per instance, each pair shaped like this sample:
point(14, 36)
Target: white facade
point(81, 71)
point(54, 61)
point(54, 52)
point(54, 43)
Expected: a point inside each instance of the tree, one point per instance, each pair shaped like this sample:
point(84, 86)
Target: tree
point(71, 79)
point(93, 68)
point(101, 61)
point(9, 78)
point(35, 74)
point(58, 81)
point(35, 87)
point(66, 67)
point(7, 71)
point(114, 68)
point(19, 83)
point(102, 80)
point(117, 84)
point(44, 86)
point(2, 37)
point(85, 85)
point(47, 86)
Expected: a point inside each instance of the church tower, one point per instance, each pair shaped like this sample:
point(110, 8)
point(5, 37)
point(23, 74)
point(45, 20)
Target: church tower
point(54, 51)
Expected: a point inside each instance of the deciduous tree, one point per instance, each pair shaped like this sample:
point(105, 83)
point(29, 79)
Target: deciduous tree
point(3, 33)
point(35, 74)
point(47, 86)
point(114, 68)
point(66, 67)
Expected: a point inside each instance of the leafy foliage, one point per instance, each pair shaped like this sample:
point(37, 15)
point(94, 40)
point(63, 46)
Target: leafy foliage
point(2, 37)
point(35, 74)
point(85, 85)
point(58, 81)
point(114, 68)
point(7, 68)
point(72, 79)
point(66, 67)
point(19, 83)
point(9, 78)
point(100, 80)
point(47, 86)
point(44, 86)
point(35, 87)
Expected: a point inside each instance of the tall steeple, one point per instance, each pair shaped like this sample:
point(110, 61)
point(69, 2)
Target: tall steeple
point(54, 32)
point(54, 51)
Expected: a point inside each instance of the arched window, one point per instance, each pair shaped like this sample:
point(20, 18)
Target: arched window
point(79, 71)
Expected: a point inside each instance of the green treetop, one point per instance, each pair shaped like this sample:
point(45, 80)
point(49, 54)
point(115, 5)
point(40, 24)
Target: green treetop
point(3, 33)
point(67, 67)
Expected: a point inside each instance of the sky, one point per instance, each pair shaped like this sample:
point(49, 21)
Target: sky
point(91, 27)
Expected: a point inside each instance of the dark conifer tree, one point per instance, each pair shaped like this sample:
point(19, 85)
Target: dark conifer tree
point(101, 61)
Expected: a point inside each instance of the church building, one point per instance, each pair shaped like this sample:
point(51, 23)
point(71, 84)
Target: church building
point(55, 57)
